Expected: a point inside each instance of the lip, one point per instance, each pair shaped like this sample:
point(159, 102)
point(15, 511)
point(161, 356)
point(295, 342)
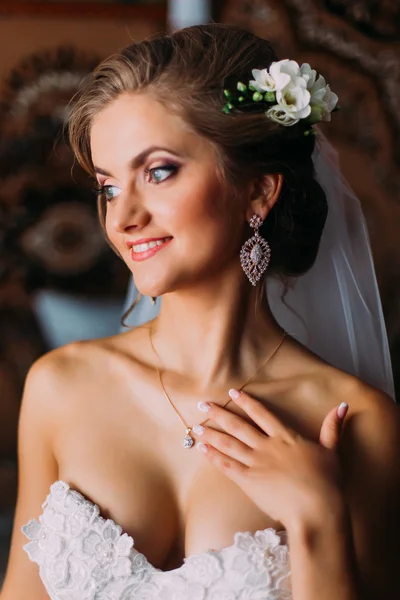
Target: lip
point(140, 256)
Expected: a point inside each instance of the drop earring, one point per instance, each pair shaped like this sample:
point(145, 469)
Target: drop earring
point(255, 254)
point(153, 299)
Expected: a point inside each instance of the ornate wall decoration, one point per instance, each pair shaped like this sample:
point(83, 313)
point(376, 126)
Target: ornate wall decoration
point(50, 233)
point(50, 237)
point(375, 18)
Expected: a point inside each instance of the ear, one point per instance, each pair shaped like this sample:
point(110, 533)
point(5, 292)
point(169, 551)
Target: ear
point(264, 193)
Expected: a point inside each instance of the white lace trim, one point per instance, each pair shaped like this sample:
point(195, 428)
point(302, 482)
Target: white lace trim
point(83, 556)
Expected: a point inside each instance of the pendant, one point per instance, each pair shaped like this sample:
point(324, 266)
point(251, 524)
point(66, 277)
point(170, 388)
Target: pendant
point(254, 257)
point(188, 441)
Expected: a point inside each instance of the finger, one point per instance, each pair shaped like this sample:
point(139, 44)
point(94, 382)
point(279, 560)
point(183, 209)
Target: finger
point(229, 466)
point(270, 424)
point(332, 426)
point(226, 444)
point(233, 424)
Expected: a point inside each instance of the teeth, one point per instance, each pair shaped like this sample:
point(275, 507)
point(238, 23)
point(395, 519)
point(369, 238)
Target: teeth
point(148, 245)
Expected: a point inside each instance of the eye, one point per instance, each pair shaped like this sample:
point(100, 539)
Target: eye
point(159, 174)
point(109, 191)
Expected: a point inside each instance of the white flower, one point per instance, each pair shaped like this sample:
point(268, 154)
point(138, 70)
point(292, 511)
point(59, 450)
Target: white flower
point(326, 105)
point(43, 541)
point(300, 93)
point(278, 115)
point(294, 100)
point(259, 548)
point(263, 82)
point(292, 95)
point(285, 72)
point(203, 568)
point(323, 100)
point(111, 551)
point(308, 74)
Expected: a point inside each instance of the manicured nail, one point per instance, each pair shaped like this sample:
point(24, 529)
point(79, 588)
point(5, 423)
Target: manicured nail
point(198, 429)
point(202, 447)
point(204, 406)
point(234, 394)
point(342, 410)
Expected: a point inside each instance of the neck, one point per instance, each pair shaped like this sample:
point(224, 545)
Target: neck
point(215, 333)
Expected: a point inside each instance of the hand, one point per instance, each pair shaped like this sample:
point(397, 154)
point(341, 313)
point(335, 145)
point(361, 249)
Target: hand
point(286, 476)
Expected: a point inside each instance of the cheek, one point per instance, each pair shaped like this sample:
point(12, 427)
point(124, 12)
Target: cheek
point(201, 202)
point(208, 222)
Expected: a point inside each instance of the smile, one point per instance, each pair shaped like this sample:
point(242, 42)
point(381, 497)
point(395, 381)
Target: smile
point(146, 250)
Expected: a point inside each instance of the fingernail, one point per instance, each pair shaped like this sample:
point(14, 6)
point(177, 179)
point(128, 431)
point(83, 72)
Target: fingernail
point(204, 406)
point(234, 394)
point(198, 429)
point(342, 410)
point(202, 447)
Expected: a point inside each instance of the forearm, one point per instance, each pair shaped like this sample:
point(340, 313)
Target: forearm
point(322, 558)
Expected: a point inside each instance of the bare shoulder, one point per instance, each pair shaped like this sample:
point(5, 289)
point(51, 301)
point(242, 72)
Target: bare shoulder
point(38, 427)
point(371, 437)
point(69, 360)
point(78, 362)
point(58, 412)
point(304, 380)
point(371, 411)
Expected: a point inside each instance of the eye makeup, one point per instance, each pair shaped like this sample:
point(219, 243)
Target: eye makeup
point(161, 173)
point(153, 175)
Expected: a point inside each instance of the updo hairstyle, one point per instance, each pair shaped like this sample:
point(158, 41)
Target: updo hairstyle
point(187, 71)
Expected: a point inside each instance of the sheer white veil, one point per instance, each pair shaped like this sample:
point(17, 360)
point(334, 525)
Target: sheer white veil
point(335, 308)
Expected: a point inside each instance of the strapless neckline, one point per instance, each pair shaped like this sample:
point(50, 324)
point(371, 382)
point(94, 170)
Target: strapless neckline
point(281, 534)
point(81, 553)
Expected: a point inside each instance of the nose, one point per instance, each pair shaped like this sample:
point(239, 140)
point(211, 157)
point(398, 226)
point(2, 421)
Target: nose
point(126, 212)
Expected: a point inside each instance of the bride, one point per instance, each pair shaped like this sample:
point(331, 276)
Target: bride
point(160, 483)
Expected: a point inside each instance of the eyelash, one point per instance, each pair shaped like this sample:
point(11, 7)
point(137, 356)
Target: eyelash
point(167, 167)
point(99, 191)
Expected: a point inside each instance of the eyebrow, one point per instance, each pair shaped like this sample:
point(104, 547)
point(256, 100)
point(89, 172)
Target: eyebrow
point(138, 160)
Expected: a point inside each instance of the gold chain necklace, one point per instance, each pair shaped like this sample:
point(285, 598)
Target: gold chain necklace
point(188, 441)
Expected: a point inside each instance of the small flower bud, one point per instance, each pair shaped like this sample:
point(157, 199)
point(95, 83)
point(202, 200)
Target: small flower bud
point(241, 98)
point(316, 114)
point(270, 97)
point(257, 97)
point(227, 94)
point(241, 87)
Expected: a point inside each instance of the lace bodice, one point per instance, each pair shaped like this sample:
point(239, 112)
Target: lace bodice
point(83, 556)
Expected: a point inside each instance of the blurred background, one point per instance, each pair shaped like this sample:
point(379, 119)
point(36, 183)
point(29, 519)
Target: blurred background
point(59, 281)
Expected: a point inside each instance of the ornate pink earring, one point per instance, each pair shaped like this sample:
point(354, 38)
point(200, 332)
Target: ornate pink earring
point(255, 253)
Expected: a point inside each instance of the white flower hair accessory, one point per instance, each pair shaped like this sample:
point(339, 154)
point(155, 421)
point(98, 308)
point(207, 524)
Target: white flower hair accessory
point(287, 92)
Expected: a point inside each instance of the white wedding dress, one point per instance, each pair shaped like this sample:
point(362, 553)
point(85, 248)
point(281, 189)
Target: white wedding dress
point(83, 556)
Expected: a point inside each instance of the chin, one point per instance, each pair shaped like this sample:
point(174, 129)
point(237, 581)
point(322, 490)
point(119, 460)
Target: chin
point(152, 288)
point(161, 281)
